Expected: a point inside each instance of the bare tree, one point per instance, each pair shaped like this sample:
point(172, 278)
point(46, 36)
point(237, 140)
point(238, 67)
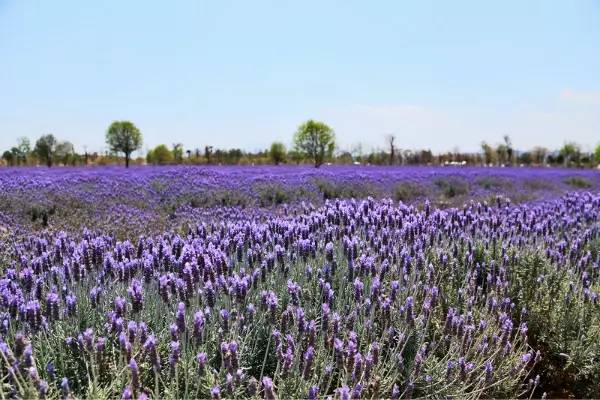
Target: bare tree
point(390, 139)
point(208, 153)
point(509, 149)
point(357, 152)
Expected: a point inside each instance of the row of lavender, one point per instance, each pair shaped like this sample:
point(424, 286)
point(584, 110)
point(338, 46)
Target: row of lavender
point(156, 199)
point(352, 299)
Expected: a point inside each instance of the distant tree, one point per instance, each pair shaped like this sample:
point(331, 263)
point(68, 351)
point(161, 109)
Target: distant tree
point(234, 156)
point(488, 153)
point(526, 158)
point(295, 156)
point(344, 157)
point(357, 152)
point(160, 155)
point(277, 153)
point(509, 149)
point(597, 154)
point(9, 157)
point(23, 149)
point(407, 156)
point(207, 153)
point(425, 157)
point(314, 140)
point(64, 152)
point(502, 153)
point(390, 140)
point(124, 137)
point(570, 152)
point(178, 152)
point(45, 148)
point(538, 155)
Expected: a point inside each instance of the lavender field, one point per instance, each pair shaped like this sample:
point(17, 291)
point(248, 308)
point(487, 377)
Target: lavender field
point(295, 282)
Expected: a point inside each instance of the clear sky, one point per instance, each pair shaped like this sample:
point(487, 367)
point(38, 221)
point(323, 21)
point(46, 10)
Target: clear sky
point(439, 75)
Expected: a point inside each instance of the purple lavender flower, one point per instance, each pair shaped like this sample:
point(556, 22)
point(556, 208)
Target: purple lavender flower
point(357, 391)
point(202, 359)
point(215, 393)
point(71, 302)
point(120, 306)
point(358, 289)
point(132, 330)
point(174, 331)
point(127, 393)
point(180, 317)
point(136, 293)
point(252, 387)
point(152, 353)
point(198, 326)
point(267, 384)
point(343, 392)
point(65, 390)
point(224, 314)
point(309, 356)
point(313, 393)
point(489, 370)
point(395, 392)
point(52, 306)
point(175, 353)
point(294, 290)
point(135, 375)
point(142, 332)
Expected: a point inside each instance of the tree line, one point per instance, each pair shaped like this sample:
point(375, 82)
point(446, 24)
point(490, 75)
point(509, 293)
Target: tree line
point(314, 142)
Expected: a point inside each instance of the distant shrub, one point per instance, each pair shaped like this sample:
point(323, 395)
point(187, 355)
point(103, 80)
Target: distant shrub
point(272, 194)
point(452, 186)
point(407, 191)
point(493, 183)
point(578, 182)
point(345, 190)
point(41, 213)
point(538, 184)
point(225, 198)
point(328, 189)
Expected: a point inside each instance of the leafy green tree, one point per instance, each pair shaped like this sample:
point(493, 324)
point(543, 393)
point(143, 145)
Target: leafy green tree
point(570, 152)
point(597, 154)
point(45, 148)
point(178, 152)
point(208, 151)
point(160, 155)
point(9, 157)
point(314, 140)
point(65, 152)
point(502, 153)
point(277, 152)
point(526, 158)
point(488, 153)
point(124, 137)
point(23, 149)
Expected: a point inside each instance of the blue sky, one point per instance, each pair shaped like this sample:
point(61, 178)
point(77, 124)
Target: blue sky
point(439, 75)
